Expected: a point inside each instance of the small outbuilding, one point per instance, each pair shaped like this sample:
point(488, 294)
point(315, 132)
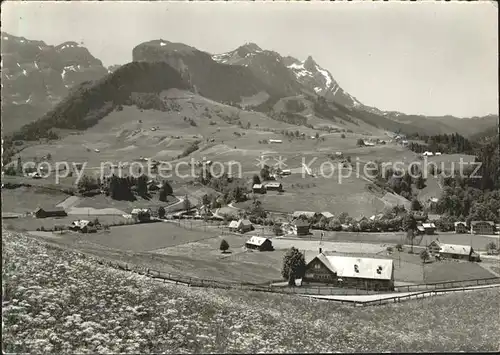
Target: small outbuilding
point(259, 243)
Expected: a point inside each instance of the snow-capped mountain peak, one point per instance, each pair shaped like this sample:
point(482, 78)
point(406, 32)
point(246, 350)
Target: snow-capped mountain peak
point(319, 80)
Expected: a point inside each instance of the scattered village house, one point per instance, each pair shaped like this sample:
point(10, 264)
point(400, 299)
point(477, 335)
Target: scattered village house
point(300, 227)
point(460, 227)
point(141, 214)
point(275, 141)
point(426, 228)
point(204, 212)
point(83, 226)
point(352, 272)
point(274, 186)
point(241, 226)
point(259, 243)
point(259, 189)
point(326, 215)
point(44, 212)
point(153, 185)
point(432, 217)
point(307, 214)
point(452, 251)
point(482, 227)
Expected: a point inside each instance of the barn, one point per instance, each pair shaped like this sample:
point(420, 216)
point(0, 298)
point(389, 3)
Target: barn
point(307, 214)
point(464, 252)
point(350, 272)
point(274, 186)
point(141, 214)
point(327, 215)
point(259, 243)
point(241, 226)
point(44, 212)
point(258, 189)
point(452, 251)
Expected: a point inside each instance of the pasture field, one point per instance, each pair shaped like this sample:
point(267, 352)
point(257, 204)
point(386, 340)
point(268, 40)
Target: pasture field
point(450, 270)
point(130, 313)
point(103, 201)
point(31, 223)
point(478, 242)
point(147, 236)
point(322, 194)
point(28, 199)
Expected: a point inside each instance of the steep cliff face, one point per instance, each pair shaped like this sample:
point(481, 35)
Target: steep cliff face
point(36, 76)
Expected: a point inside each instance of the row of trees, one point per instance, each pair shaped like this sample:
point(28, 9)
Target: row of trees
point(122, 188)
point(231, 189)
point(445, 143)
point(400, 181)
point(474, 197)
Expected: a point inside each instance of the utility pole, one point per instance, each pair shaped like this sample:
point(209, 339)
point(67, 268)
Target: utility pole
point(410, 232)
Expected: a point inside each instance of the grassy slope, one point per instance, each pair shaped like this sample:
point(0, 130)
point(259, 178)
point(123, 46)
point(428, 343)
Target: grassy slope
point(27, 199)
point(61, 302)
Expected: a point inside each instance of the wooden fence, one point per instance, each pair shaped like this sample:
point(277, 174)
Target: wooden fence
point(303, 290)
point(417, 295)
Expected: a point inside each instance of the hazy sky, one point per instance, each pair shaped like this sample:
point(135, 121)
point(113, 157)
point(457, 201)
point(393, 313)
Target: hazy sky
point(430, 58)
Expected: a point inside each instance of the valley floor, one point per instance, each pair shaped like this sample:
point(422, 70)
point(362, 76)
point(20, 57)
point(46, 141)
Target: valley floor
point(57, 301)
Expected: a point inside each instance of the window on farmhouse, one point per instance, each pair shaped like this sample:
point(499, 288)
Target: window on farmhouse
point(356, 268)
point(317, 266)
point(379, 270)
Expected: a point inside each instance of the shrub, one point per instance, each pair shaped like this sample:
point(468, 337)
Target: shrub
point(342, 135)
point(491, 248)
point(224, 245)
point(277, 230)
point(161, 212)
point(190, 149)
point(424, 255)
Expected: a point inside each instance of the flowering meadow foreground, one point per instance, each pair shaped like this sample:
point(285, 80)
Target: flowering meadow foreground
point(61, 301)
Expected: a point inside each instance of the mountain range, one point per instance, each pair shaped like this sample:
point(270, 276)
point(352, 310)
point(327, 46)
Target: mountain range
point(46, 82)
